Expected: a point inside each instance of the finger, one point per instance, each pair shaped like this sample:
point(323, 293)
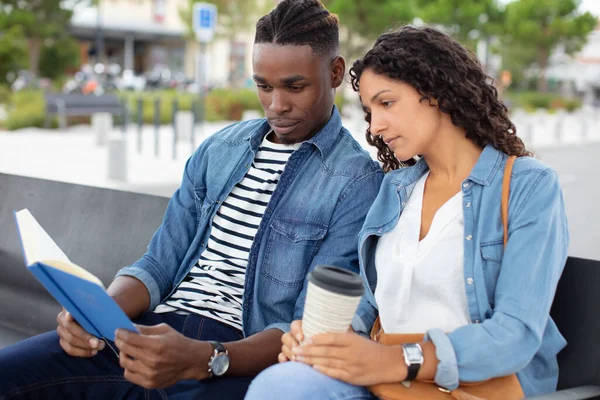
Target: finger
point(332, 339)
point(335, 373)
point(322, 361)
point(138, 379)
point(77, 351)
point(64, 333)
point(135, 339)
point(319, 351)
point(74, 333)
point(287, 352)
point(296, 329)
point(282, 358)
point(133, 351)
point(153, 330)
point(289, 340)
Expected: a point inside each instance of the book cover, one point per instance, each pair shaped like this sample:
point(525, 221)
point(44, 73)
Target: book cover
point(77, 290)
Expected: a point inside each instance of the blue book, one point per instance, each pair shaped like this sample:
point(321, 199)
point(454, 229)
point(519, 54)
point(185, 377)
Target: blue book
point(77, 290)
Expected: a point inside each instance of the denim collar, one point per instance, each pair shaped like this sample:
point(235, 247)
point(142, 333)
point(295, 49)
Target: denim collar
point(483, 172)
point(324, 140)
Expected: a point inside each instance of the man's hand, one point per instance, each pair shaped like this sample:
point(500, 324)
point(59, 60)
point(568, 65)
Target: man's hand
point(291, 340)
point(352, 358)
point(74, 340)
point(160, 356)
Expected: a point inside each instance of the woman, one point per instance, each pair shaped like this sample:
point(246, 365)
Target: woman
point(431, 248)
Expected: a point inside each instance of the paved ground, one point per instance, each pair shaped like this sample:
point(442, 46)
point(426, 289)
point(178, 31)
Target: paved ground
point(74, 156)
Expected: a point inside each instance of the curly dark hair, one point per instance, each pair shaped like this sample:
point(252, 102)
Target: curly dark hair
point(300, 22)
point(441, 69)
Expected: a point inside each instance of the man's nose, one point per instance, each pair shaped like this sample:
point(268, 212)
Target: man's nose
point(279, 102)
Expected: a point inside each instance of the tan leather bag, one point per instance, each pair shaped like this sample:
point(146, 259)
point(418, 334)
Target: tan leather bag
point(503, 388)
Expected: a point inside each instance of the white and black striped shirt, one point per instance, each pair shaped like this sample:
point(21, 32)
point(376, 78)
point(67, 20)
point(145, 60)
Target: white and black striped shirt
point(215, 286)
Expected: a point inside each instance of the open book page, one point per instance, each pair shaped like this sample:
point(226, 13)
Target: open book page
point(73, 269)
point(38, 246)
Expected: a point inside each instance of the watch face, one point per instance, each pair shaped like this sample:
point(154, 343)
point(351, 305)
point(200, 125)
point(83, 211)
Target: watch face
point(220, 364)
point(413, 353)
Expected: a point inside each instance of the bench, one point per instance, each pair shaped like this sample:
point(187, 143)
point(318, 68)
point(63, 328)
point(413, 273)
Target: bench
point(99, 229)
point(103, 230)
point(77, 105)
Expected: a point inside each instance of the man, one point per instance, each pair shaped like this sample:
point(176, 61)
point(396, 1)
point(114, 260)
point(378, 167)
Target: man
point(261, 204)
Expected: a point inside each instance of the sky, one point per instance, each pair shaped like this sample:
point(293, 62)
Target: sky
point(592, 6)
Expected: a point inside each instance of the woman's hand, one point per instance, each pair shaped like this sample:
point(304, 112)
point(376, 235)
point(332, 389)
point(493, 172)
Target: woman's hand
point(291, 340)
point(352, 358)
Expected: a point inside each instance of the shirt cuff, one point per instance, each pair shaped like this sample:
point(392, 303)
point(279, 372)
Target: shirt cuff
point(148, 281)
point(359, 326)
point(446, 375)
point(282, 326)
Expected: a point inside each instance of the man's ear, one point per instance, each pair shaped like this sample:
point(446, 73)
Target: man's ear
point(338, 71)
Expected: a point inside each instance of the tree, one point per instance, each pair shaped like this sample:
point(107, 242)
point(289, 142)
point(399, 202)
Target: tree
point(13, 52)
point(58, 56)
point(365, 20)
point(40, 20)
point(466, 20)
point(541, 26)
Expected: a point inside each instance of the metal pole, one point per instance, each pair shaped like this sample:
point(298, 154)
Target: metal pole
point(125, 125)
point(140, 120)
point(175, 108)
point(99, 38)
point(194, 118)
point(203, 82)
point(156, 124)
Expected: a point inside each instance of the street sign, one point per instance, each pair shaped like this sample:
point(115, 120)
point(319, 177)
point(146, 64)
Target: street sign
point(204, 21)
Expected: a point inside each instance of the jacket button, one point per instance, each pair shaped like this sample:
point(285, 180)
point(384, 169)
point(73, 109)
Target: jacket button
point(468, 205)
point(470, 281)
point(469, 237)
point(403, 204)
point(466, 185)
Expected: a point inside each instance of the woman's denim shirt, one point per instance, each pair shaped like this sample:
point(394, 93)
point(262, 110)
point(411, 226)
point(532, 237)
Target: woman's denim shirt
point(313, 217)
point(509, 291)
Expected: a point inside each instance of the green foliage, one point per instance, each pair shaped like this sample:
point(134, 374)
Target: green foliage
point(466, 20)
point(26, 109)
point(13, 52)
point(535, 28)
point(39, 20)
point(367, 19)
point(58, 56)
point(220, 105)
point(5, 94)
point(531, 101)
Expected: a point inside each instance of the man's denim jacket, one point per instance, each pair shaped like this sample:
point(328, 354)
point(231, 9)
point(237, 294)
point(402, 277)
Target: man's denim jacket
point(313, 218)
point(509, 292)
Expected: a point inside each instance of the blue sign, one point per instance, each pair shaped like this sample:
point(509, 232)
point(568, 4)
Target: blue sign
point(204, 21)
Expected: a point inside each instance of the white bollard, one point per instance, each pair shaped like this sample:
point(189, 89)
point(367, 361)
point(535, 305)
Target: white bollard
point(117, 158)
point(184, 121)
point(251, 114)
point(102, 125)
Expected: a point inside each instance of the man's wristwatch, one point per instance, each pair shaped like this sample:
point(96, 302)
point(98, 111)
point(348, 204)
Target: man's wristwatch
point(413, 357)
point(218, 363)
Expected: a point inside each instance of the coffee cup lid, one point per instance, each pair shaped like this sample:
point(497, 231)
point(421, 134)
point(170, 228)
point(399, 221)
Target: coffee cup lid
point(337, 280)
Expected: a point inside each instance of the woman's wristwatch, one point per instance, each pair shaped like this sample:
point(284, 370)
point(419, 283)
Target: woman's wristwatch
point(413, 357)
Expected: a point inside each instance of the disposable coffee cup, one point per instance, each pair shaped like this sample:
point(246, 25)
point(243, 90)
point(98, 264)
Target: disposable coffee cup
point(332, 297)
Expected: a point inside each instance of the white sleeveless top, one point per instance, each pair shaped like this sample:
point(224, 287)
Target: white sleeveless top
point(420, 285)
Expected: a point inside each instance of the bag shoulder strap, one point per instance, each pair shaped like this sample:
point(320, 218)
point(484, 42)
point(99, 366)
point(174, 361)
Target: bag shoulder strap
point(505, 193)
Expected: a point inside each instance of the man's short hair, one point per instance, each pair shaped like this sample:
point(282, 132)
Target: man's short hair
point(300, 22)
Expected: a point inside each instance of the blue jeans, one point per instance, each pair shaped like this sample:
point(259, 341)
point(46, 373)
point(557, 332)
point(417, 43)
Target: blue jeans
point(296, 381)
point(38, 368)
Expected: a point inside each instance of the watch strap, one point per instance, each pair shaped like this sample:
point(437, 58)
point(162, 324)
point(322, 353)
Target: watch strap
point(218, 347)
point(413, 370)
